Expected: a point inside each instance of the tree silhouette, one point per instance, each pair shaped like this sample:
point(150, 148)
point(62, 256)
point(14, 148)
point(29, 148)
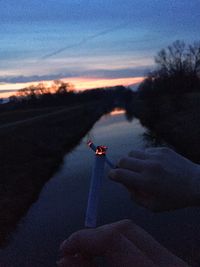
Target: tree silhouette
point(63, 87)
point(179, 58)
point(177, 71)
point(194, 58)
point(39, 90)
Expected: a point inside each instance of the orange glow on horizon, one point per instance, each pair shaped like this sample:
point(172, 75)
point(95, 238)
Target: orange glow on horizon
point(88, 83)
point(79, 83)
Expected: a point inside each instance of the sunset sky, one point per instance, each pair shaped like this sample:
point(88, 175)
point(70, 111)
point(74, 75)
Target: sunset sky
point(90, 43)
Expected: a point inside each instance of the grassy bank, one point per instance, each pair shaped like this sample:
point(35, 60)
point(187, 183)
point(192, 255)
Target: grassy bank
point(30, 153)
point(14, 116)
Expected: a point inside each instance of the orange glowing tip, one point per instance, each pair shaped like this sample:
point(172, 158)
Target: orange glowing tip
point(101, 150)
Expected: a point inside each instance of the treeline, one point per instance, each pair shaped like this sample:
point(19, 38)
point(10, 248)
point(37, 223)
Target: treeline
point(178, 71)
point(168, 100)
point(61, 93)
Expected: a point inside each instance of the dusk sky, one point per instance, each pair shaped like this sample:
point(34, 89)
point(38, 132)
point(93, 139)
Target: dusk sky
point(103, 42)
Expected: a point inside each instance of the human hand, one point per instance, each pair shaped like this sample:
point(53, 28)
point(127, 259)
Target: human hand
point(120, 244)
point(159, 179)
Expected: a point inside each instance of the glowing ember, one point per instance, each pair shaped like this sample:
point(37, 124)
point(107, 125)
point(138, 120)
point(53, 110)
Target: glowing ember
point(101, 150)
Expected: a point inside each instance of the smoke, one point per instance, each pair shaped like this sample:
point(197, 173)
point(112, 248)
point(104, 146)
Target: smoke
point(85, 40)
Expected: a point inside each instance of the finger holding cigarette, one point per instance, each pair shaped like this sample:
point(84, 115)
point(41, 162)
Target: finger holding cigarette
point(159, 179)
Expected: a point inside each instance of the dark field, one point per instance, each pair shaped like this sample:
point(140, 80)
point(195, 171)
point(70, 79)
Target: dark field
point(10, 116)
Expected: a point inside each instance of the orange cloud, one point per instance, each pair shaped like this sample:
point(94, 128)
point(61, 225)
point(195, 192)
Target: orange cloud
point(88, 83)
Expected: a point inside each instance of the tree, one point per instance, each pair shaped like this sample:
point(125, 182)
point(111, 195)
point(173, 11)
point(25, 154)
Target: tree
point(63, 87)
point(194, 58)
point(179, 59)
point(177, 72)
point(37, 91)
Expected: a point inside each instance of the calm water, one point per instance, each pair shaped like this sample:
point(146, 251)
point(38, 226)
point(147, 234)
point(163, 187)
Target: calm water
point(60, 208)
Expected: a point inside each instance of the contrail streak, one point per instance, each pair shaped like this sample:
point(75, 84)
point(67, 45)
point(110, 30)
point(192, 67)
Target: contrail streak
point(85, 40)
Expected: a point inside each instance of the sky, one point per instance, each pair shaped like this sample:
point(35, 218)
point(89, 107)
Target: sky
point(90, 43)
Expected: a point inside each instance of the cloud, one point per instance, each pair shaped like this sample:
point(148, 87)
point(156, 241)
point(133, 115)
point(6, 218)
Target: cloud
point(98, 73)
point(33, 78)
point(119, 73)
point(7, 91)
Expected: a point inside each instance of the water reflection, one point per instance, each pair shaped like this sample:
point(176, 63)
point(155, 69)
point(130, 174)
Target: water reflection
point(127, 112)
point(60, 209)
point(117, 112)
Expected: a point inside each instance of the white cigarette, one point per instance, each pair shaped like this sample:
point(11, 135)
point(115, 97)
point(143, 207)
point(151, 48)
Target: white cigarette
point(94, 192)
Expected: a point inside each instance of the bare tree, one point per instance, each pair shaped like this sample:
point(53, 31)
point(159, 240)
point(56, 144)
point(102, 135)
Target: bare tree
point(35, 91)
point(64, 88)
point(179, 58)
point(194, 58)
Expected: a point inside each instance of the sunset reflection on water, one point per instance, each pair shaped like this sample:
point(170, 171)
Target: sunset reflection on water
point(117, 112)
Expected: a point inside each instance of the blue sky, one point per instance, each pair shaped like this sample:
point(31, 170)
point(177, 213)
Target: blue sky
point(43, 40)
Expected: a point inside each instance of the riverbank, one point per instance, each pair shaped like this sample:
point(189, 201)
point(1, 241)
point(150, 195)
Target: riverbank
point(171, 119)
point(31, 152)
